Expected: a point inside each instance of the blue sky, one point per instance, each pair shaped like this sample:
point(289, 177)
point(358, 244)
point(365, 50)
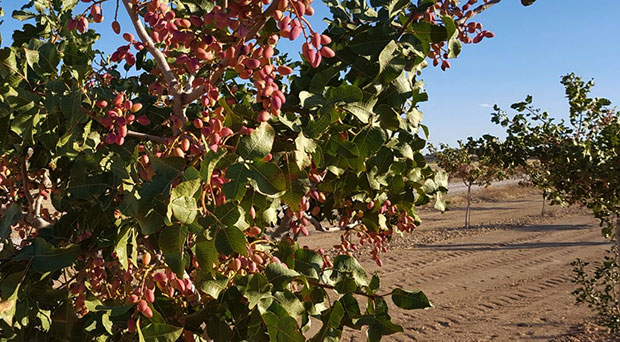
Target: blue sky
point(533, 47)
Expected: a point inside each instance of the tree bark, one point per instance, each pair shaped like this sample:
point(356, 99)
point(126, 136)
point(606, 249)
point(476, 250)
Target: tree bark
point(618, 240)
point(468, 206)
point(282, 228)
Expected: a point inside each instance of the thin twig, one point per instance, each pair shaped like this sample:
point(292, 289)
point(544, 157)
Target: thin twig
point(150, 137)
point(477, 11)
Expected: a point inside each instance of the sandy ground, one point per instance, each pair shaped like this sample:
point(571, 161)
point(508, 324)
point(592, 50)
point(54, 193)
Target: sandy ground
point(507, 278)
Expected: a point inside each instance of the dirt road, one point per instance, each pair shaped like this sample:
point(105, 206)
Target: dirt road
point(503, 281)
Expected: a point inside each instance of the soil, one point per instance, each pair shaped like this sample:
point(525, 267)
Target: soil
point(507, 278)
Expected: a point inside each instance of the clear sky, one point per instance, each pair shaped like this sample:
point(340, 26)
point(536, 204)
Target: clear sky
point(533, 47)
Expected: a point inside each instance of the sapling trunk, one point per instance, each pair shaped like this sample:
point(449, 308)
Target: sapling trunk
point(468, 206)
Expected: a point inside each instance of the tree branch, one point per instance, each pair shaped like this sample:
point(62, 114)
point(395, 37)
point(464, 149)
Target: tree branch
point(196, 93)
point(150, 137)
point(477, 11)
point(159, 57)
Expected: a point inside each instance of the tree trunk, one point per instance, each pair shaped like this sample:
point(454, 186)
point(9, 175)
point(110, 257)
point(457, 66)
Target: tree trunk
point(542, 213)
point(618, 240)
point(282, 228)
point(468, 206)
point(618, 251)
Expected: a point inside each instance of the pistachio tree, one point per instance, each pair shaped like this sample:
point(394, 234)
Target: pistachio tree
point(579, 159)
point(470, 164)
point(137, 188)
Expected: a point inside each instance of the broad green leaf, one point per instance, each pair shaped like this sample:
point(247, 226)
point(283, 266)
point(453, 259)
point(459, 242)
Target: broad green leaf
point(230, 240)
point(369, 140)
point(289, 301)
point(388, 117)
point(330, 330)
point(267, 178)
point(410, 300)
point(297, 185)
point(279, 275)
point(159, 332)
point(320, 123)
point(391, 63)
point(172, 244)
point(348, 265)
point(10, 217)
point(71, 105)
point(120, 246)
point(46, 258)
point(372, 41)
point(258, 292)
point(213, 286)
point(310, 100)
point(230, 215)
point(238, 175)
point(258, 144)
point(206, 253)
point(184, 209)
point(308, 263)
point(208, 163)
point(344, 94)
point(282, 329)
point(8, 299)
point(304, 147)
point(187, 188)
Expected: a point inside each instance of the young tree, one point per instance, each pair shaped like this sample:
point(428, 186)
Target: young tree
point(135, 205)
point(469, 163)
point(581, 161)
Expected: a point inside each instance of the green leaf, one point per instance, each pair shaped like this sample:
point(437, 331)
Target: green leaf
point(282, 329)
point(303, 148)
point(10, 217)
point(297, 185)
point(230, 240)
point(238, 174)
point(183, 205)
point(159, 332)
point(308, 263)
point(258, 144)
point(348, 265)
point(321, 122)
point(372, 41)
point(388, 117)
point(184, 209)
point(410, 300)
point(258, 292)
point(363, 109)
point(70, 105)
point(279, 275)
point(129, 206)
point(289, 301)
point(391, 63)
point(187, 188)
point(206, 253)
point(309, 100)
point(331, 324)
point(8, 301)
point(344, 94)
point(230, 215)
point(172, 244)
point(208, 163)
point(120, 247)
point(213, 286)
point(267, 178)
point(46, 258)
point(369, 140)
